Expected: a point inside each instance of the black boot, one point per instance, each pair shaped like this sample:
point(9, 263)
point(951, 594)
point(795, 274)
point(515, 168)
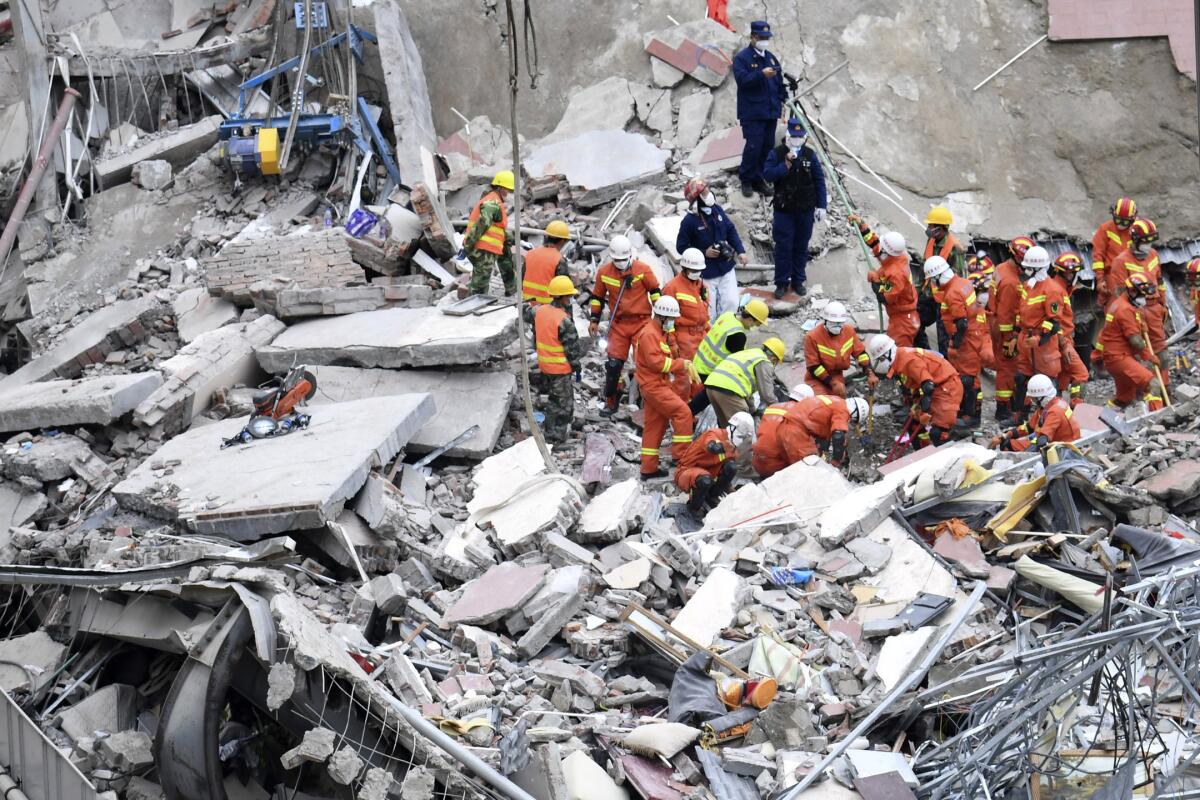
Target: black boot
point(780, 290)
point(799, 287)
point(764, 188)
point(612, 376)
point(747, 189)
point(700, 495)
point(723, 484)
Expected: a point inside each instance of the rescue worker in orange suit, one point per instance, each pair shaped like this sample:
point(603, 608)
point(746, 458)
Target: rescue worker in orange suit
point(963, 330)
point(892, 282)
point(793, 431)
point(829, 350)
point(1124, 341)
point(1074, 375)
point(559, 355)
point(1111, 240)
point(628, 288)
point(928, 381)
point(656, 367)
point(692, 295)
point(939, 241)
point(982, 276)
point(1050, 420)
point(1043, 304)
point(541, 264)
point(1142, 259)
point(1193, 284)
point(1006, 298)
point(709, 465)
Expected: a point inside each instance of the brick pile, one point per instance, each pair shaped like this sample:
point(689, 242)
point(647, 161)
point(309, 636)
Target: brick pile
point(312, 260)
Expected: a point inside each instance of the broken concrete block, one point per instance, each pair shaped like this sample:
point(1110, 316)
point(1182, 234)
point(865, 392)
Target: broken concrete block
point(305, 259)
point(152, 175)
point(719, 151)
point(38, 653)
point(629, 575)
point(604, 106)
point(874, 556)
point(855, 512)
point(695, 48)
point(869, 763)
point(713, 607)
point(316, 746)
point(548, 625)
point(282, 684)
point(252, 490)
point(901, 653)
point(587, 780)
point(18, 506)
point(841, 565)
point(418, 784)
point(609, 516)
point(281, 299)
point(653, 107)
point(743, 761)
point(375, 784)
point(490, 392)
point(965, 552)
point(127, 750)
point(662, 233)
point(197, 312)
point(439, 231)
point(1179, 481)
point(394, 338)
point(562, 551)
point(345, 766)
point(381, 506)
point(142, 789)
point(558, 672)
point(693, 116)
point(409, 105)
point(179, 147)
point(389, 593)
point(111, 709)
point(87, 401)
point(591, 165)
point(497, 593)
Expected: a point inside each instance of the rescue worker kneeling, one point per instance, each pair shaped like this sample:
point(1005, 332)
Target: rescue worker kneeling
point(929, 383)
point(708, 466)
point(1050, 420)
point(808, 425)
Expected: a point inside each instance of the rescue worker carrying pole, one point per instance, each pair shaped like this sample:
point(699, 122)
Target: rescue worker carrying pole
point(690, 292)
point(929, 383)
point(709, 465)
point(627, 287)
point(1075, 374)
point(559, 355)
point(1039, 348)
point(1050, 420)
point(1142, 259)
point(1123, 341)
point(892, 283)
point(817, 425)
point(726, 336)
point(545, 262)
point(734, 382)
point(829, 350)
point(964, 329)
point(656, 366)
point(1007, 300)
point(1111, 240)
point(487, 243)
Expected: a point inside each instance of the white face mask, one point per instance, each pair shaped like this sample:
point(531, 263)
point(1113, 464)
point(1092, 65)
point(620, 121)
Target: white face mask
point(1141, 250)
point(796, 142)
point(668, 325)
point(708, 199)
point(761, 46)
point(944, 278)
point(692, 275)
point(706, 209)
point(1140, 302)
point(834, 328)
point(622, 263)
point(982, 298)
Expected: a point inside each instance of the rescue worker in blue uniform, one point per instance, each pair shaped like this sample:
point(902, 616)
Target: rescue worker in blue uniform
point(799, 201)
point(760, 96)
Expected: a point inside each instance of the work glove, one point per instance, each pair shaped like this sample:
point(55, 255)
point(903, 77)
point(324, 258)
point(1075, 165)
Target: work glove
point(925, 418)
point(593, 328)
point(692, 373)
point(1045, 337)
point(854, 219)
point(1009, 349)
point(873, 277)
point(1150, 358)
point(995, 442)
point(820, 214)
point(715, 448)
point(872, 380)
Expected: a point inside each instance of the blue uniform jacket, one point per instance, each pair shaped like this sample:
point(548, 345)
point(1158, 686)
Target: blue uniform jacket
point(758, 97)
point(704, 233)
point(777, 167)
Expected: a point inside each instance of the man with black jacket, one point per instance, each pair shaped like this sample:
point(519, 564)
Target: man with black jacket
point(799, 201)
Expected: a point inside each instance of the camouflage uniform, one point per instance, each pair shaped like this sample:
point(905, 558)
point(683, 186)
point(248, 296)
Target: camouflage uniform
point(483, 262)
point(559, 389)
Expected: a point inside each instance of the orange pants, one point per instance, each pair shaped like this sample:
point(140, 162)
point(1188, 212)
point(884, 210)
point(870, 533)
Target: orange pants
point(1074, 373)
point(1156, 321)
point(969, 359)
point(686, 477)
point(947, 398)
point(663, 405)
point(1034, 358)
point(903, 326)
point(620, 335)
point(1130, 378)
point(1006, 372)
point(834, 385)
point(789, 444)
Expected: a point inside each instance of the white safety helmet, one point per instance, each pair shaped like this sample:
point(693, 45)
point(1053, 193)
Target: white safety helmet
point(741, 430)
point(893, 243)
point(620, 250)
point(859, 409)
point(835, 312)
point(801, 391)
point(692, 260)
point(1041, 389)
point(936, 267)
point(881, 349)
point(666, 306)
point(1036, 259)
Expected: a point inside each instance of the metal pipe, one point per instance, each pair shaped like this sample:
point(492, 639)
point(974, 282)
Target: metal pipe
point(461, 754)
point(913, 677)
point(829, 75)
point(9, 788)
point(35, 176)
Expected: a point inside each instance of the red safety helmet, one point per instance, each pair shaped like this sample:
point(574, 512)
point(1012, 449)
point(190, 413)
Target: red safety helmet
point(1067, 263)
point(1018, 246)
point(1124, 212)
point(980, 263)
point(693, 189)
point(982, 281)
point(1138, 285)
point(1193, 272)
point(1144, 230)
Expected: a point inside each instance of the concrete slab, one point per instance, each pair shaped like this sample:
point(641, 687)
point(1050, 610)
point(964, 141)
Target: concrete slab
point(408, 94)
point(607, 105)
point(663, 231)
point(900, 653)
point(719, 151)
point(88, 401)
point(609, 515)
point(490, 395)
point(393, 337)
point(693, 116)
point(180, 147)
point(299, 481)
point(601, 164)
point(497, 593)
point(35, 651)
point(17, 507)
point(702, 49)
point(197, 312)
point(713, 606)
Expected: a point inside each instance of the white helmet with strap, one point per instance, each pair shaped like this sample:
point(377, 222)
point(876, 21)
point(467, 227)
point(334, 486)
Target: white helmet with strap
point(666, 306)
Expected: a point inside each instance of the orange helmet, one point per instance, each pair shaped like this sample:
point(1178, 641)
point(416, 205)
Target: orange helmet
point(1018, 246)
point(693, 189)
point(1067, 263)
point(980, 263)
point(1144, 230)
point(1138, 285)
point(1124, 211)
point(1193, 271)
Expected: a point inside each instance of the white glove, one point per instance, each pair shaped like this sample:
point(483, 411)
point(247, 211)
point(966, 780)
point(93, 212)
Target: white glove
point(819, 215)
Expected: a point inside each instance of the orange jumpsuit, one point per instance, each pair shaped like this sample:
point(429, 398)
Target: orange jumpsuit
point(827, 356)
point(655, 366)
point(697, 461)
point(793, 431)
point(1122, 321)
point(899, 297)
point(1074, 372)
point(912, 368)
point(1006, 301)
point(1039, 349)
point(641, 290)
point(957, 301)
point(1108, 242)
point(692, 324)
point(1054, 422)
point(1155, 313)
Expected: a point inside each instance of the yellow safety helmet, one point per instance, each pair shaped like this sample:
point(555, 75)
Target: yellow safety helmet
point(505, 180)
point(561, 286)
point(776, 346)
point(558, 229)
point(939, 215)
point(756, 309)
